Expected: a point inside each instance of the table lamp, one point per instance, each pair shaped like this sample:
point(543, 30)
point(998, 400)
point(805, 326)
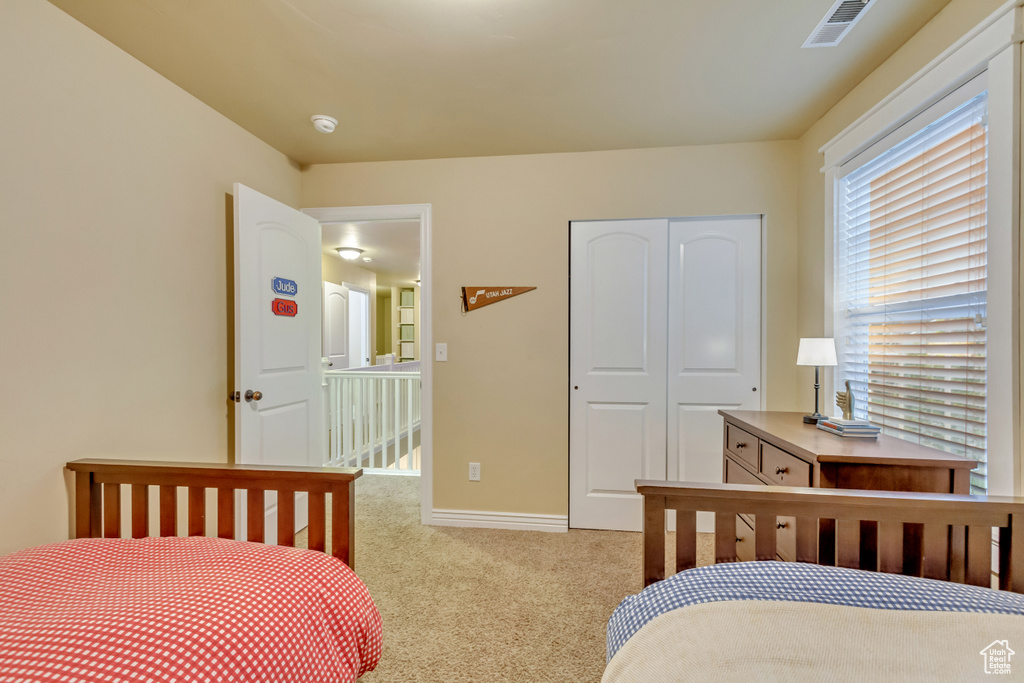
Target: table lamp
point(816, 351)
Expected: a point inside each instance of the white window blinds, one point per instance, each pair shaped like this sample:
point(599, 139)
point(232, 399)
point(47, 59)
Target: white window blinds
point(910, 286)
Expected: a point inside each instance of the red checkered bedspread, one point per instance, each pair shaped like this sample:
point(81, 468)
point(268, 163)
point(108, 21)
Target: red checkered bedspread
point(183, 609)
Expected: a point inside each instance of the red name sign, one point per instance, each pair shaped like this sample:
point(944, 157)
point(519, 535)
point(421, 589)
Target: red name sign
point(284, 307)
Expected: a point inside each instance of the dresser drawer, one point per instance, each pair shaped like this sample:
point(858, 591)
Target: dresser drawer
point(782, 468)
point(741, 444)
point(735, 474)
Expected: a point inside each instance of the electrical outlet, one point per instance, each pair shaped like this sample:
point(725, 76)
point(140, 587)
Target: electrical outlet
point(474, 471)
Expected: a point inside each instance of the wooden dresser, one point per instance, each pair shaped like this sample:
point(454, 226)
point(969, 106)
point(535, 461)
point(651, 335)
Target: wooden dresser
point(778, 449)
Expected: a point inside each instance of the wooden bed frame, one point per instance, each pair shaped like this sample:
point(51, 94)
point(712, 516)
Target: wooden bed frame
point(98, 499)
point(956, 533)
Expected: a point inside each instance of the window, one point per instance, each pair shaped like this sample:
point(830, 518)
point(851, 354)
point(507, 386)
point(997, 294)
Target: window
point(911, 281)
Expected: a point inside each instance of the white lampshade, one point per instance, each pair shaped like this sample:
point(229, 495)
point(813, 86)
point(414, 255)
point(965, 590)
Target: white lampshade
point(817, 351)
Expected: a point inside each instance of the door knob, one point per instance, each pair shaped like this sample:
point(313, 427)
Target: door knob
point(235, 396)
point(251, 395)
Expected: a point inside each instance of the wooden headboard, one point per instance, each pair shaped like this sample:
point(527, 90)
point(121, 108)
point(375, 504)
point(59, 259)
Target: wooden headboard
point(954, 537)
point(98, 499)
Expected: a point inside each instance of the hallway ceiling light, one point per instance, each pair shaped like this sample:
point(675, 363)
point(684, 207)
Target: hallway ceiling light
point(349, 253)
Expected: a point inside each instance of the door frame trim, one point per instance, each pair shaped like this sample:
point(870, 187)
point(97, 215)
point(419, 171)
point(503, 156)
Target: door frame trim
point(421, 213)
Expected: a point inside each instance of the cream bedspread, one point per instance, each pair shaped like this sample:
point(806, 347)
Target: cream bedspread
point(751, 640)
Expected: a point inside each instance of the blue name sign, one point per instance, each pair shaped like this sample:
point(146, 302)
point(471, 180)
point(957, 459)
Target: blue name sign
point(285, 286)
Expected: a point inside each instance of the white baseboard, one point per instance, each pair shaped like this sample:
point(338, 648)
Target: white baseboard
point(500, 520)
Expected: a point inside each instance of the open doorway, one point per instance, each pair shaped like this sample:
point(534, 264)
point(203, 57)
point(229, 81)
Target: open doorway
point(379, 235)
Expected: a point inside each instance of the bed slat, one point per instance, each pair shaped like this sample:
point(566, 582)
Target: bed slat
point(848, 543)
point(935, 560)
point(168, 510)
point(890, 547)
point(225, 513)
point(140, 511)
point(725, 537)
point(686, 539)
point(111, 511)
point(255, 512)
point(765, 533)
point(196, 511)
point(806, 539)
point(1015, 549)
point(979, 556)
point(317, 522)
point(286, 518)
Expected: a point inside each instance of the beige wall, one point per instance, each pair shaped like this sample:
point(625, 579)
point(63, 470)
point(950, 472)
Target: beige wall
point(952, 22)
point(113, 204)
point(502, 397)
point(384, 326)
point(339, 271)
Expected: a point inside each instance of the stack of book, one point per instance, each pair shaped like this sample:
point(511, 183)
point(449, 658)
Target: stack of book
point(855, 428)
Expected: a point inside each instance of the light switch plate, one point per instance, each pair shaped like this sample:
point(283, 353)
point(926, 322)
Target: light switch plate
point(441, 353)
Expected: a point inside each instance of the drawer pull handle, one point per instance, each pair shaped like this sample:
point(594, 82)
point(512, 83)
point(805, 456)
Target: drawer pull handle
point(781, 470)
point(740, 445)
point(739, 540)
point(781, 525)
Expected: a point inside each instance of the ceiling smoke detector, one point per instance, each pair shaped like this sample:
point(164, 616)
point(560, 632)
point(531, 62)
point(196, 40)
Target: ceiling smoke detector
point(837, 23)
point(323, 123)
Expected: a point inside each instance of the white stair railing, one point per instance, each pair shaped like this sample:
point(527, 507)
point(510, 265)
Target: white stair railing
point(374, 418)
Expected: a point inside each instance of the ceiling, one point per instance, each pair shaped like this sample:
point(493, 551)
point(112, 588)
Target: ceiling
point(392, 246)
point(417, 79)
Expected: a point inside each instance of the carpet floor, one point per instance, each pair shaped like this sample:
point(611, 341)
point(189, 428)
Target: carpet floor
point(466, 605)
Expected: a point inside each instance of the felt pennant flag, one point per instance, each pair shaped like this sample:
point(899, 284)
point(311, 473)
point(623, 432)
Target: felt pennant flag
point(475, 297)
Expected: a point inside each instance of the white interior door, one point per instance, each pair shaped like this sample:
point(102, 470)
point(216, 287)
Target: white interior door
point(277, 340)
point(359, 328)
point(336, 338)
point(664, 330)
point(714, 331)
point(617, 368)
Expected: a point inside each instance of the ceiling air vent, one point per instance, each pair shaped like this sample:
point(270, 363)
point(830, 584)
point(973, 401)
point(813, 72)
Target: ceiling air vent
point(837, 23)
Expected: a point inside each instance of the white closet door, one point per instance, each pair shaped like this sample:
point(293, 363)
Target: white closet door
point(714, 332)
point(617, 368)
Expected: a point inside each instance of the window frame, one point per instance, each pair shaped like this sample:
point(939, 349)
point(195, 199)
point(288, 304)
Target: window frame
point(991, 48)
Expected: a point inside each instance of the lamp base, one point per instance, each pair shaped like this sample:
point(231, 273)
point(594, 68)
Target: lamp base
point(813, 419)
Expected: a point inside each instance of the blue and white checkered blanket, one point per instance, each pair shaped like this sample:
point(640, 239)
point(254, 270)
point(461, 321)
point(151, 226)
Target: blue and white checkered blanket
point(798, 582)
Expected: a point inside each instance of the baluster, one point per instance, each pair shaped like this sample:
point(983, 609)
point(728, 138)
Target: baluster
point(398, 421)
point(384, 384)
point(372, 426)
point(807, 539)
point(358, 408)
point(409, 393)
